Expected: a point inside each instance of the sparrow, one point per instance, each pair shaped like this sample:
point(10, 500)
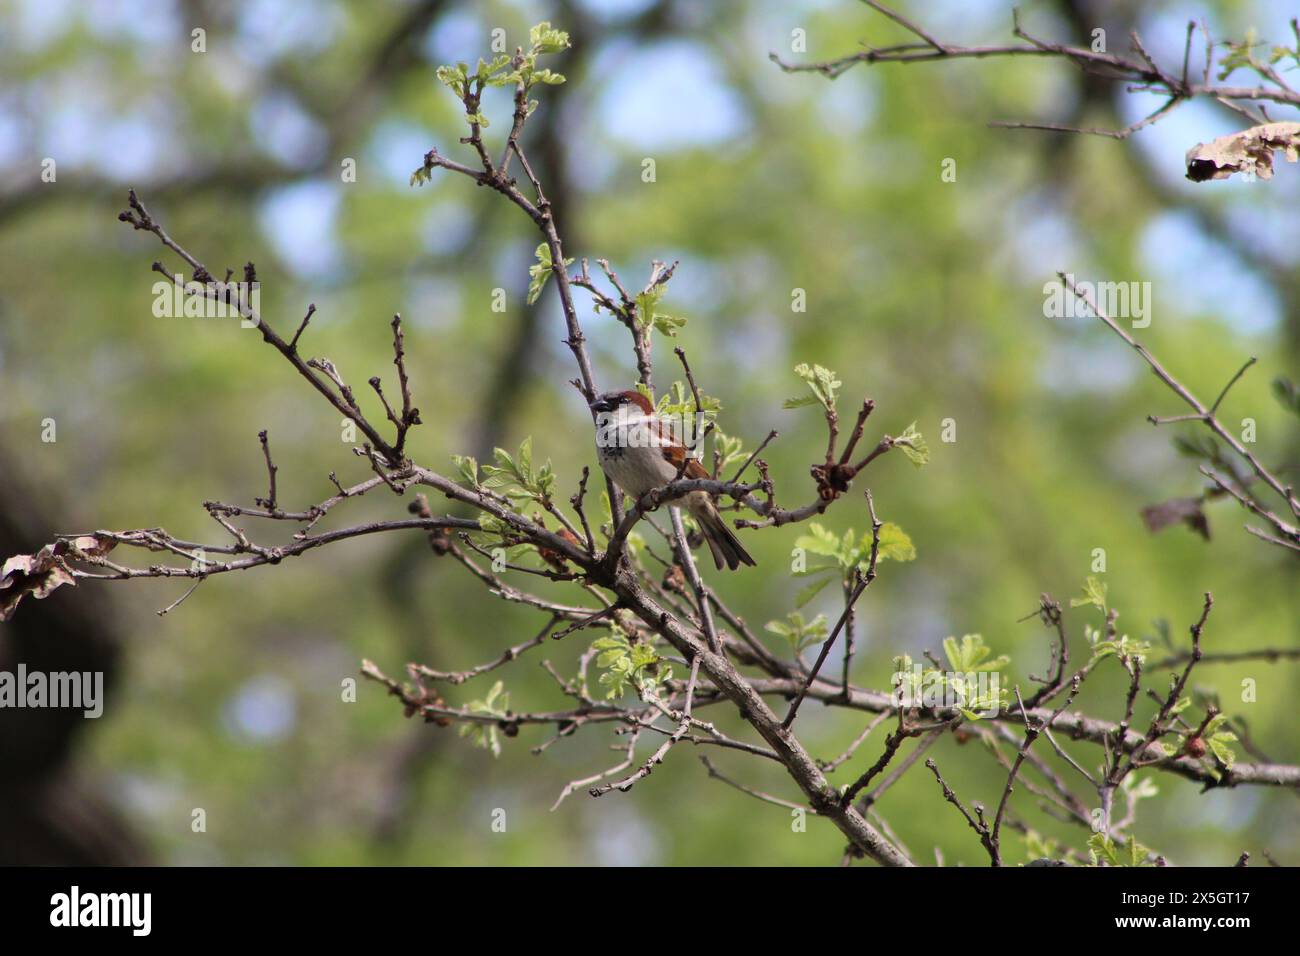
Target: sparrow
point(638, 453)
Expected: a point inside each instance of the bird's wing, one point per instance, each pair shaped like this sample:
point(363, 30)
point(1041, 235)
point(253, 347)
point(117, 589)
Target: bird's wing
point(674, 453)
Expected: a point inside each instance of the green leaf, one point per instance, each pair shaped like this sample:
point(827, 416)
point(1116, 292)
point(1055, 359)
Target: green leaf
point(970, 654)
point(1287, 394)
point(1219, 746)
point(913, 446)
point(526, 458)
point(1038, 847)
point(728, 448)
point(454, 78)
point(1197, 445)
point(625, 663)
point(852, 551)
point(810, 591)
point(495, 704)
point(543, 38)
point(1094, 593)
point(648, 314)
point(974, 701)
point(490, 73)
point(468, 468)
point(679, 402)
point(485, 736)
point(539, 272)
point(518, 478)
point(819, 541)
point(799, 633)
point(895, 544)
point(645, 304)
point(492, 524)
point(668, 325)
point(1124, 648)
point(1101, 847)
point(548, 77)
point(1156, 747)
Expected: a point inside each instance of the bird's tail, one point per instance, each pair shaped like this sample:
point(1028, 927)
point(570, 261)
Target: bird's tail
point(723, 544)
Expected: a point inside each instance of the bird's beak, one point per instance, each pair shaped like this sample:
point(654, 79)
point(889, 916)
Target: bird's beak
point(601, 405)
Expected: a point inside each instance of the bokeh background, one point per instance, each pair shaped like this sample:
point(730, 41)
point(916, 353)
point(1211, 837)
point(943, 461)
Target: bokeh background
point(925, 295)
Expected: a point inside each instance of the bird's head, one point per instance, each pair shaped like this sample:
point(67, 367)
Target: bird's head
point(610, 402)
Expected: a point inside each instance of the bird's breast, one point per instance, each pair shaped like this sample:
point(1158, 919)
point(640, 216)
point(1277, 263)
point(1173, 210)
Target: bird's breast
point(635, 468)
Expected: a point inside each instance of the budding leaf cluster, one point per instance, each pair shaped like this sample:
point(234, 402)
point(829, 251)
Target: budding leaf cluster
point(1103, 850)
point(486, 735)
point(1216, 741)
point(626, 663)
point(540, 271)
point(822, 383)
point(519, 70)
point(727, 448)
point(679, 403)
point(516, 476)
point(913, 446)
point(967, 658)
point(1094, 593)
point(648, 314)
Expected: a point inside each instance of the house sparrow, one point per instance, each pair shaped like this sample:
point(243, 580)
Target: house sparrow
point(638, 452)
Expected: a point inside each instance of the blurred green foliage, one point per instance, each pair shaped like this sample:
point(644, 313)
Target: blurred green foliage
point(922, 294)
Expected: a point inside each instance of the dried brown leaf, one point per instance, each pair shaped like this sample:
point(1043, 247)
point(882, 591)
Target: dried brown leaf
point(93, 545)
point(1157, 517)
point(35, 574)
point(1249, 151)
